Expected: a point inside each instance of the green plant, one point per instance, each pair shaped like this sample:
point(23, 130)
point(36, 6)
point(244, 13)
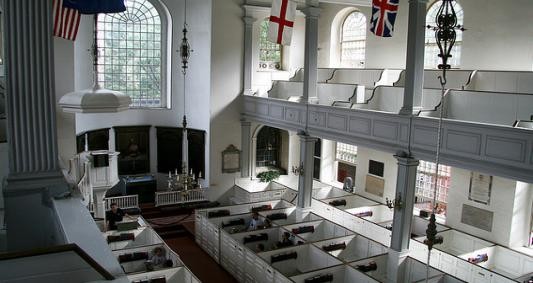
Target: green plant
point(268, 176)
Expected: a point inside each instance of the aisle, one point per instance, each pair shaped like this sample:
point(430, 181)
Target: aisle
point(198, 261)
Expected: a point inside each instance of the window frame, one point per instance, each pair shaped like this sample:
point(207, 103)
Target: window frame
point(280, 47)
point(165, 49)
point(425, 173)
point(342, 41)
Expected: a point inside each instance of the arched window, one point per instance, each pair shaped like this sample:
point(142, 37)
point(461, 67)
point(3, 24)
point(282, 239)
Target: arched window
point(431, 59)
point(269, 53)
point(268, 152)
point(132, 53)
point(353, 40)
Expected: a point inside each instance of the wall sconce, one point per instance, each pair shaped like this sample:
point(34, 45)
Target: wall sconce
point(298, 170)
point(396, 203)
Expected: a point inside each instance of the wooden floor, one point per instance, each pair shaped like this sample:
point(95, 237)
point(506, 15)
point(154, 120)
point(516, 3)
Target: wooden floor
point(198, 261)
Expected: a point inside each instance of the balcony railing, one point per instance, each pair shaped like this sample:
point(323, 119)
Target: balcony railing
point(124, 202)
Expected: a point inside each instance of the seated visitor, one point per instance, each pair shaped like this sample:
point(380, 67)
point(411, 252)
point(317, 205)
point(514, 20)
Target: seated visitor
point(285, 241)
point(255, 223)
point(113, 216)
point(158, 257)
point(267, 223)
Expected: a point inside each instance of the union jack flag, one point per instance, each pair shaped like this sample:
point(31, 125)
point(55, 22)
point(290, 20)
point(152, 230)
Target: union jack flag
point(383, 17)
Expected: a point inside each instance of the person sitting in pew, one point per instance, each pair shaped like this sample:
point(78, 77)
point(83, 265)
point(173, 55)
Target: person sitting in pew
point(158, 257)
point(255, 223)
point(113, 216)
point(285, 241)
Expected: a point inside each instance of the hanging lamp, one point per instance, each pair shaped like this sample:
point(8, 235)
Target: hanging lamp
point(185, 53)
point(95, 99)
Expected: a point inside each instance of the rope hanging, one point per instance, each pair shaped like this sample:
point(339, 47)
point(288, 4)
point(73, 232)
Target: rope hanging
point(445, 35)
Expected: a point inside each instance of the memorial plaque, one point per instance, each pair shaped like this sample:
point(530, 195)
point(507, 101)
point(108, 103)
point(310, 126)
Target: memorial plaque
point(480, 188)
point(477, 217)
point(375, 185)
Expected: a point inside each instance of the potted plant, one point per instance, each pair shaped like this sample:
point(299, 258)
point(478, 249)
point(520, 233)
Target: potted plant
point(268, 176)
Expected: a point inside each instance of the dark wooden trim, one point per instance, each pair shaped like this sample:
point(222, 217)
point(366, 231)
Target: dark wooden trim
point(60, 249)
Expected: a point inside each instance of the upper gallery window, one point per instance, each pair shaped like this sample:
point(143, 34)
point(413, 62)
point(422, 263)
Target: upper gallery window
point(269, 53)
point(431, 59)
point(353, 40)
point(132, 53)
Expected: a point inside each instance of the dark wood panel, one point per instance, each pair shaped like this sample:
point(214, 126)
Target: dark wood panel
point(169, 149)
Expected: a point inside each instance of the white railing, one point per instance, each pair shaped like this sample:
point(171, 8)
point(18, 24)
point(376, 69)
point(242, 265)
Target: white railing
point(124, 202)
point(177, 197)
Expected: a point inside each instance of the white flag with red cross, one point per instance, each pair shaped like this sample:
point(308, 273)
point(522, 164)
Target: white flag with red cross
point(281, 21)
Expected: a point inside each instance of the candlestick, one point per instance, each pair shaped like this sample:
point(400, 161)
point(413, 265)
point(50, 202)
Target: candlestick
point(200, 175)
point(169, 174)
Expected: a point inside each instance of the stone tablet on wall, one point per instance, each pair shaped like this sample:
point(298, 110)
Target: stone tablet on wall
point(477, 217)
point(480, 188)
point(375, 185)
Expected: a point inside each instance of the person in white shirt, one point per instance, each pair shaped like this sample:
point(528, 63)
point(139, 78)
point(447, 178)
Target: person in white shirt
point(255, 223)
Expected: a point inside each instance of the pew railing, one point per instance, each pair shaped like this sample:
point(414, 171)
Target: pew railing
point(124, 202)
point(85, 187)
point(178, 197)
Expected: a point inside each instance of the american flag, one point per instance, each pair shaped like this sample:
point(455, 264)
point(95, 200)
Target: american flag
point(383, 17)
point(66, 21)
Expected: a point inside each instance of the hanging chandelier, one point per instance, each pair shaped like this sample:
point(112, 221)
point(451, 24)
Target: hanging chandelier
point(185, 53)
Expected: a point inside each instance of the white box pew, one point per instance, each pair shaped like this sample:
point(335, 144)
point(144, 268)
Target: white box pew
point(318, 230)
point(270, 241)
point(505, 262)
point(138, 266)
point(327, 93)
point(171, 275)
point(291, 216)
point(502, 81)
point(294, 261)
point(457, 243)
point(328, 192)
point(352, 201)
point(202, 228)
point(323, 74)
point(365, 77)
point(456, 79)
point(390, 99)
point(338, 274)
point(143, 236)
point(488, 107)
point(247, 193)
point(379, 214)
point(352, 248)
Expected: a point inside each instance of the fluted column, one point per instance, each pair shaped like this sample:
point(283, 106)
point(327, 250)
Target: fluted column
point(248, 53)
point(245, 147)
point(311, 52)
point(305, 179)
point(414, 65)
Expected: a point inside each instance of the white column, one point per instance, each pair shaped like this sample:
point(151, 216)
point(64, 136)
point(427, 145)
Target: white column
point(414, 66)
point(311, 52)
point(405, 191)
point(305, 179)
point(248, 54)
point(254, 157)
point(35, 176)
point(245, 148)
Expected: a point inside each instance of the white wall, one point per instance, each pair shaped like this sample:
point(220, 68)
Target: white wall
point(198, 80)
point(499, 36)
point(226, 86)
point(390, 172)
point(510, 203)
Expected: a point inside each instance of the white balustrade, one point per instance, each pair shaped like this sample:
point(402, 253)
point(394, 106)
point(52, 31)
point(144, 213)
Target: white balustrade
point(177, 197)
point(85, 187)
point(124, 202)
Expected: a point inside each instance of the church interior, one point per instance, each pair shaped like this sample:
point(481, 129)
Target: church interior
point(175, 141)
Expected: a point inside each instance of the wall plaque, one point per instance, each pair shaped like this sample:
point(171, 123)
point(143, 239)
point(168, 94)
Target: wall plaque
point(375, 185)
point(477, 217)
point(480, 188)
point(231, 160)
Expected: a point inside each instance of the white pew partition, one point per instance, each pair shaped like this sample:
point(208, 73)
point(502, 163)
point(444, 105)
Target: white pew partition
point(294, 261)
point(144, 236)
point(502, 81)
point(340, 274)
point(366, 77)
point(323, 74)
point(322, 230)
point(419, 226)
point(138, 266)
point(376, 213)
point(457, 243)
point(488, 107)
point(505, 262)
point(356, 247)
point(390, 77)
point(172, 275)
point(274, 236)
point(390, 99)
point(352, 201)
point(247, 191)
point(291, 216)
point(328, 192)
point(456, 79)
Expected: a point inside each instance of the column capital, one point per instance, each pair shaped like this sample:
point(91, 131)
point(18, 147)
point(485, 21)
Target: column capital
point(245, 123)
point(405, 159)
point(248, 21)
point(304, 137)
point(312, 12)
